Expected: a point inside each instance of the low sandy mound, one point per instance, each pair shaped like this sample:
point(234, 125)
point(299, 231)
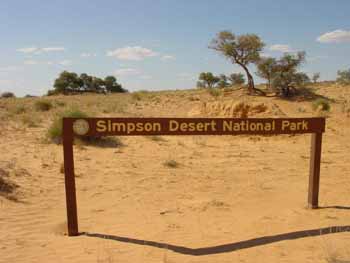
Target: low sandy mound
point(234, 109)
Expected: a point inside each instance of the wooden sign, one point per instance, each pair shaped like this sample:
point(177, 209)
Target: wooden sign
point(80, 127)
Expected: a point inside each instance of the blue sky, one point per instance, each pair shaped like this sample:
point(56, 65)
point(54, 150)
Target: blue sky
point(159, 44)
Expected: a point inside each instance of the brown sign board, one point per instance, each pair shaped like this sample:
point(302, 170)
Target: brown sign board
point(73, 127)
point(195, 126)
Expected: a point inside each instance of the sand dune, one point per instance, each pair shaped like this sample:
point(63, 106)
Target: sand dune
point(229, 199)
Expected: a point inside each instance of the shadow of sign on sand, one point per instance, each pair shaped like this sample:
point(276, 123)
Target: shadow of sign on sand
point(226, 248)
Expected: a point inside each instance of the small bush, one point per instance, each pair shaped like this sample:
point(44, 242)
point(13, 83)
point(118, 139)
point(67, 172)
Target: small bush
point(171, 164)
point(19, 109)
point(8, 95)
point(139, 95)
point(156, 138)
point(321, 104)
point(42, 105)
point(60, 103)
point(30, 121)
point(214, 92)
point(55, 130)
point(52, 92)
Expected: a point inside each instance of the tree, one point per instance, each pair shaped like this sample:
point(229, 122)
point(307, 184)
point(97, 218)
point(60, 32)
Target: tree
point(266, 69)
point(86, 81)
point(70, 82)
point(236, 79)
point(242, 50)
point(223, 81)
point(285, 74)
point(208, 80)
point(112, 85)
point(8, 94)
point(66, 82)
point(343, 77)
point(200, 85)
point(315, 77)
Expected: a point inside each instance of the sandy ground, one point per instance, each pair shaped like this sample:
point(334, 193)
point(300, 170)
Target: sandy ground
point(231, 198)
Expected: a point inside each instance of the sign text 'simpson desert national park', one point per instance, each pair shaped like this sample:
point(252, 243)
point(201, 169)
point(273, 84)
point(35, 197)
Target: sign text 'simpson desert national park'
point(186, 126)
point(196, 126)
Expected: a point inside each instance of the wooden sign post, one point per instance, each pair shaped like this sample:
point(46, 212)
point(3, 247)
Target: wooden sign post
point(80, 127)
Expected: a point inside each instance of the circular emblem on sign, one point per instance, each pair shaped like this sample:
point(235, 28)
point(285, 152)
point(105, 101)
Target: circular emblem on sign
point(81, 127)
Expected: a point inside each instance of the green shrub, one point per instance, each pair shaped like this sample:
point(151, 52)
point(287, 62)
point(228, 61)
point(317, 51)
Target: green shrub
point(139, 95)
point(321, 104)
point(60, 103)
point(54, 133)
point(19, 109)
point(55, 130)
point(171, 164)
point(214, 92)
point(43, 105)
point(30, 120)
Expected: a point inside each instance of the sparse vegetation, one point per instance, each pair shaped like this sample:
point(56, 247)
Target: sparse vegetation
point(171, 163)
point(139, 95)
point(236, 79)
point(43, 105)
point(344, 77)
point(316, 77)
point(30, 120)
point(55, 130)
point(321, 105)
point(215, 92)
point(18, 109)
point(8, 95)
point(156, 138)
point(7, 187)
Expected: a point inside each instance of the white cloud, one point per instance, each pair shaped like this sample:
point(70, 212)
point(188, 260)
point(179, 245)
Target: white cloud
point(30, 62)
point(28, 50)
point(36, 50)
point(65, 62)
point(126, 72)
point(337, 36)
point(53, 49)
point(87, 55)
point(132, 53)
point(280, 48)
point(168, 57)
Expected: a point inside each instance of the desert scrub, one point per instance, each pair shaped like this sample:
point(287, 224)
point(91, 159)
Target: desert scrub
point(7, 187)
point(30, 120)
point(8, 95)
point(60, 103)
point(171, 164)
point(214, 92)
point(321, 105)
point(54, 133)
point(139, 95)
point(43, 105)
point(18, 109)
